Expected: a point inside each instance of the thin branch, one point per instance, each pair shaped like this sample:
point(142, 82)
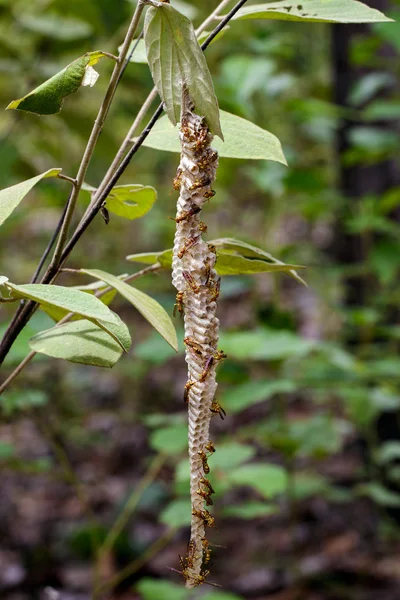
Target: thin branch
point(97, 128)
point(132, 503)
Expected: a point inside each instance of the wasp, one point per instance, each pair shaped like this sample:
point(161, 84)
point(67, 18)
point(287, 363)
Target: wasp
point(178, 179)
point(195, 346)
point(104, 213)
point(178, 306)
point(213, 358)
point(208, 519)
point(197, 579)
point(189, 243)
point(204, 494)
point(203, 457)
point(199, 183)
point(210, 447)
point(186, 215)
point(188, 386)
point(191, 551)
point(207, 484)
point(191, 282)
point(217, 409)
point(209, 194)
point(216, 289)
point(202, 227)
point(206, 550)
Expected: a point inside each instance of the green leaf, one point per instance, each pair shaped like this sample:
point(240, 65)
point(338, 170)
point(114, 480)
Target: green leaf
point(171, 440)
point(177, 514)
point(56, 26)
point(131, 201)
point(389, 451)
point(151, 310)
point(10, 197)
point(250, 510)
point(243, 139)
point(58, 313)
point(247, 394)
point(379, 494)
point(269, 480)
point(249, 251)
point(154, 589)
point(140, 56)
point(234, 264)
point(320, 11)
point(15, 400)
point(219, 595)
point(77, 302)
point(230, 259)
point(48, 98)
point(175, 58)
point(264, 344)
point(79, 342)
point(231, 455)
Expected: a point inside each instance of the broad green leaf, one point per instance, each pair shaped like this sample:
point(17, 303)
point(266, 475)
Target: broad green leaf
point(77, 302)
point(23, 399)
point(152, 311)
point(10, 197)
point(219, 595)
point(175, 58)
point(243, 139)
point(264, 344)
point(170, 440)
point(164, 257)
point(131, 201)
point(78, 342)
point(140, 56)
point(269, 480)
point(247, 394)
point(177, 514)
point(56, 26)
point(58, 313)
point(388, 451)
point(155, 589)
point(48, 98)
point(249, 251)
point(379, 494)
point(233, 258)
point(320, 11)
point(233, 264)
point(250, 510)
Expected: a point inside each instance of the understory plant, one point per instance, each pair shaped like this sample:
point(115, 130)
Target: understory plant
point(86, 330)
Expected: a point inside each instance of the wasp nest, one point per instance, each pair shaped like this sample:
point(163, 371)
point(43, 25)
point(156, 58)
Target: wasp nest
point(195, 278)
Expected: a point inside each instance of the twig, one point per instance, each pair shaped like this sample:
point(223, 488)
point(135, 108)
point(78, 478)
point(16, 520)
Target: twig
point(138, 563)
point(132, 503)
point(97, 127)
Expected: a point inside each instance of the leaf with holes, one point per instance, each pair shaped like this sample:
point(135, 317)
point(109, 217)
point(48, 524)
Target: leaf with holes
point(176, 60)
point(151, 310)
point(243, 139)
point(77, 302)
point(48, 98)
point(318, 11)
point(78, 342)
point(10, 197)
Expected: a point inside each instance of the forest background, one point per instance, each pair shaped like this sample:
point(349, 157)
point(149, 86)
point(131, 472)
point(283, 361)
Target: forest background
point(94, 474)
